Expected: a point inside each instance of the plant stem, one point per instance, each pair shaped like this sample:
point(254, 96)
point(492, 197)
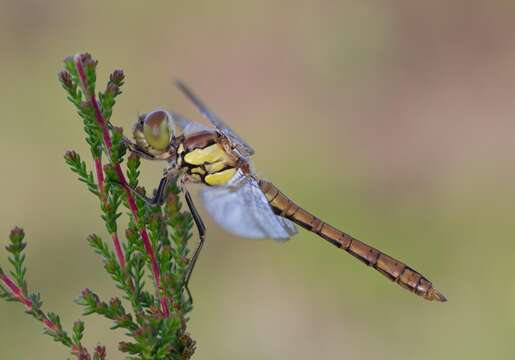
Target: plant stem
point(100, 177)
point(118, 250)
point(103, 197)
point(17, 293)
point(130, 199)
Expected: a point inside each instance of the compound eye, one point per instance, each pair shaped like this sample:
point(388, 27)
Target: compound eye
point(156, 129)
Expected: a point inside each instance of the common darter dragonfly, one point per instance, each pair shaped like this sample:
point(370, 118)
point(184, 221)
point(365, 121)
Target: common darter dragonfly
point(236, 198)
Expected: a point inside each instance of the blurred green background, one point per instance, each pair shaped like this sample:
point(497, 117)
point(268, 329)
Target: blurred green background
point(391, 120)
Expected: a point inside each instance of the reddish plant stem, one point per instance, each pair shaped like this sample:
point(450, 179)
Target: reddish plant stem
point(100, 177)
point(130, 199)
point(16, 291)
point(49, 324)
point(146, 240)
point(100, 180)
point(103, 197)
point(18, 294)
point(118, 250)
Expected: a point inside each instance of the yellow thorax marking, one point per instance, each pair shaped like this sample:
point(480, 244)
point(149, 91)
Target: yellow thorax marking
point(210, 154)
point(214, 167)
point(198, 170)
point(196, 177)
point(221, 177)
point(180, 149)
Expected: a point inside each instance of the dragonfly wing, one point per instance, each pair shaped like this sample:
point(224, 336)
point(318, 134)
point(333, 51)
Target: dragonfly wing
point(187, 126)
point(242, 209)
point(245, 149)
point(180, 120)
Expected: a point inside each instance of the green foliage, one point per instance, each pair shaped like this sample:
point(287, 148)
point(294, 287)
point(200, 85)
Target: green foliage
point(118, 148)
point(111, 265)
point(70, 81)
point(153, 314)
point(78, 331)
point(180, 222)
point(113, 310)
point(15, 288)
point(133, 163)
point(108, 97)
point(17, 258)
point(79, 167)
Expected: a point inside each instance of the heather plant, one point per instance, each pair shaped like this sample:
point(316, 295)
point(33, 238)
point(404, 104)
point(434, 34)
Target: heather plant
point(148, 266)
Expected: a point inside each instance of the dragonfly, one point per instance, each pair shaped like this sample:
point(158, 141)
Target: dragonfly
point(236, 198)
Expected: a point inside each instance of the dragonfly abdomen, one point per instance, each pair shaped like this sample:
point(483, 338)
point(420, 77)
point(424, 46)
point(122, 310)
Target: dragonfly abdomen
point(393, 269)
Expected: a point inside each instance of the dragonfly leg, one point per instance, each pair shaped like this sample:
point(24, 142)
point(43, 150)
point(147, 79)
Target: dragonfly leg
point(135, 148)
point(159, 194)
point(202, 236)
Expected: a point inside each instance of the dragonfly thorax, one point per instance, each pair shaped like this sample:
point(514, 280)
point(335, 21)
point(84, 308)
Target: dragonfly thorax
point(204, 158)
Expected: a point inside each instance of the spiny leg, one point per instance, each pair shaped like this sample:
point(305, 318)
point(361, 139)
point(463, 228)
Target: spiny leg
point(159, 197)
point(202, 236)
point(158, 200)
point(132, 146)
point(135, 148)
point(159, 193)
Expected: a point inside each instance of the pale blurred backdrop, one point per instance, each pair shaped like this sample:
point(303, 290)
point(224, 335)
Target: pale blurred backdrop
point(392, 120)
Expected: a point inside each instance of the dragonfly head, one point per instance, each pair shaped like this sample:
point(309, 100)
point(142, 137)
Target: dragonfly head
point(154, 131)
point(158, 129)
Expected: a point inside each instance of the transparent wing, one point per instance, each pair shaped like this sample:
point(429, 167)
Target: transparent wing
point(244, 148)
point(241, 208)
point(188, 126)
point(180, 120)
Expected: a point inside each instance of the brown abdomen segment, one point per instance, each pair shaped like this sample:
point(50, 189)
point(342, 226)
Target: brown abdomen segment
point(393, 269)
